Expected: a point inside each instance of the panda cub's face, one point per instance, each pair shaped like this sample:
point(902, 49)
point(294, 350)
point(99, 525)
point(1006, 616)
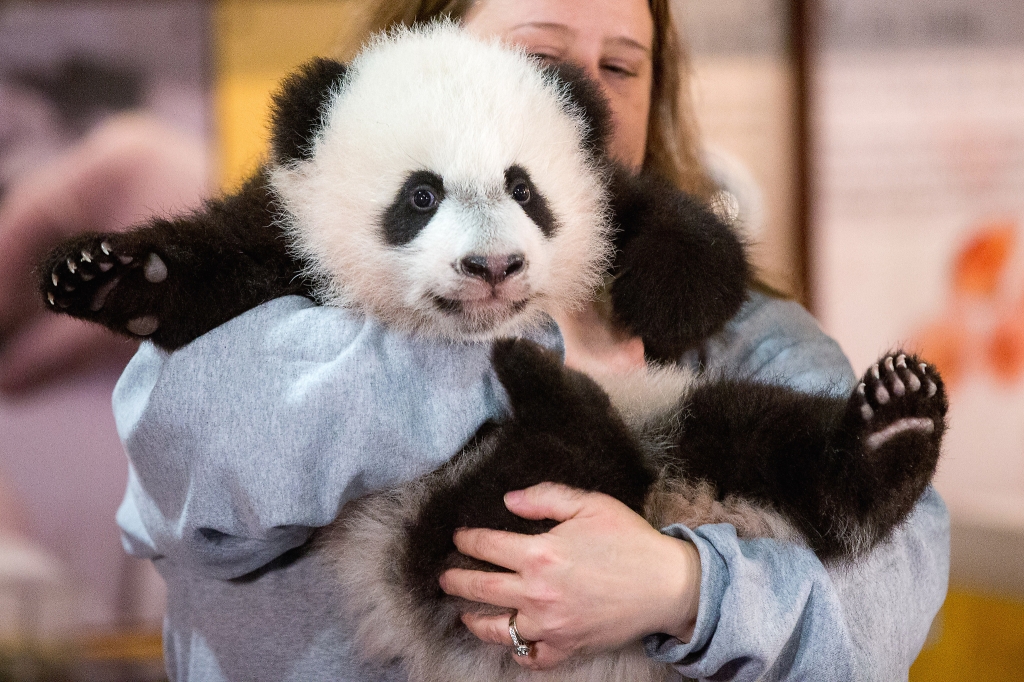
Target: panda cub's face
point(481, 256)
point(449, 190)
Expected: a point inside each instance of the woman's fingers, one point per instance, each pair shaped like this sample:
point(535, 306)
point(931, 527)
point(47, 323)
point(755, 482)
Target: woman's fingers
point(549, 501)
point(495, 629)
point(498, 589)
point(542, 657)
point(500, 548)
point(601, 578)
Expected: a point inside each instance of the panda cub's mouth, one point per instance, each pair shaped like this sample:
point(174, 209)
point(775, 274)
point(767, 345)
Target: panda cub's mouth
point(488, 292)
point(491, 307)
point(447, 305)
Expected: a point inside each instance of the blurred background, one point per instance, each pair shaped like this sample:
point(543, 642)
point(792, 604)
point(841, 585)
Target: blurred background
point(874, 152)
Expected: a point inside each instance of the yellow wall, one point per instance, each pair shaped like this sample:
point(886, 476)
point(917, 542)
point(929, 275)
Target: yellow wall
point(979, 638)
point(256, 43)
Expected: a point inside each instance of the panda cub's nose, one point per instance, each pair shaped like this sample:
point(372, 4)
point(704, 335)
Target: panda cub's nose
point(492, 269)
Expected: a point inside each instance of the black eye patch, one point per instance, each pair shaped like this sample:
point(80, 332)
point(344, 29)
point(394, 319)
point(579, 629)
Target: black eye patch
point(414, 205)
point(523, 192)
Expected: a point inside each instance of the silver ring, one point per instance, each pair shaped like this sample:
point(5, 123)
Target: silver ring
point(520, 646)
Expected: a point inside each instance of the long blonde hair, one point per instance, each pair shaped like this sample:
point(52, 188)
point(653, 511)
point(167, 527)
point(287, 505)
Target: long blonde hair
point(672, 140)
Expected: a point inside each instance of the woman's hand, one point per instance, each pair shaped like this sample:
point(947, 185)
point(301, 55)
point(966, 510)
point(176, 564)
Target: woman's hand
point(600, 579)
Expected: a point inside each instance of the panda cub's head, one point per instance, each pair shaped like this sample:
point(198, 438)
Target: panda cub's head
point(443, 184)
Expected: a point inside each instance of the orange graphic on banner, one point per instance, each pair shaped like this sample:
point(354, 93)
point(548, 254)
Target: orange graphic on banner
point(984, 313)
point(980, 264)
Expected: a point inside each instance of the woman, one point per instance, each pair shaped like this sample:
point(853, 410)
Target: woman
point(230, 531)
point(564, 579)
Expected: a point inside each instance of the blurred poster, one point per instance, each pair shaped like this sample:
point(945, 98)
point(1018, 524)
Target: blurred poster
point(64, 66)
point(744, 96)
point(919, 231)
point(66, 70)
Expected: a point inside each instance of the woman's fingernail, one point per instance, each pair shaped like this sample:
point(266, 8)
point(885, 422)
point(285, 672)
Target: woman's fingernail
point(514, 496)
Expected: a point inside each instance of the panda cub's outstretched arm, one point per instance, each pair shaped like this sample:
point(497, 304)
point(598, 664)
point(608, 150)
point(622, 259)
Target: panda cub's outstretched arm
point(172, 280)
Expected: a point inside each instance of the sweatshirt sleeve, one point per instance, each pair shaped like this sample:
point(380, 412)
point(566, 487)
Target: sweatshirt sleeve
point(245, 441)
point(770, 610)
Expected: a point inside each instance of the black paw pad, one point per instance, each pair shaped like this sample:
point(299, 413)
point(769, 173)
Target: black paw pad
point(898, 395)
point(84, 277)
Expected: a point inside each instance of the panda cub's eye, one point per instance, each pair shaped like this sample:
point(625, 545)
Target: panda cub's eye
point(423, 198)
point(521, 192)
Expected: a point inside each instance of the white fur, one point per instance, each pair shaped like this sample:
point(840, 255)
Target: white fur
point(647, 395)
point(437, 99)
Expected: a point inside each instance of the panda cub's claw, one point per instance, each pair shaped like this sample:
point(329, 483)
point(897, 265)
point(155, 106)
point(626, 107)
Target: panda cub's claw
point(899, 395)
point(88, 277)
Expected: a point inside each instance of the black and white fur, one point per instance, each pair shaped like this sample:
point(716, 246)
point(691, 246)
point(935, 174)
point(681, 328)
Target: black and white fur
point(453, 189)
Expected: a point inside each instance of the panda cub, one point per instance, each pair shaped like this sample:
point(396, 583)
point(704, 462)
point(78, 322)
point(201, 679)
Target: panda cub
point(454, 189)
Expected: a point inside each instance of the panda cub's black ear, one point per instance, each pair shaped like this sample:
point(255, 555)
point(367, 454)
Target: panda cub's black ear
point(299, 105)
point(587, 96)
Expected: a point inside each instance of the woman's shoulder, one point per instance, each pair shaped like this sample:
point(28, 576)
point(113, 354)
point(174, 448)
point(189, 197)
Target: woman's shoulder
point(777, 340)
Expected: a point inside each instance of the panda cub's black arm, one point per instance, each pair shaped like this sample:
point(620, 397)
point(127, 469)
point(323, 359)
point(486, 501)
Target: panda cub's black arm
point(172, 280)
point(680, 273)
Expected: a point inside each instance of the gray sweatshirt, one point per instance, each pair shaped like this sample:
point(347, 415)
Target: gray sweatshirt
point(246, 441)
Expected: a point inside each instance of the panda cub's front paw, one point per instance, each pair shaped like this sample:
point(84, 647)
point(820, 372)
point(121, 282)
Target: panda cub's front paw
point(899, 395)
point(103, 279)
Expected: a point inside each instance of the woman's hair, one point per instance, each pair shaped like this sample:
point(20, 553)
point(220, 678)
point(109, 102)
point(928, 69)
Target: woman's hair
point(672, 146)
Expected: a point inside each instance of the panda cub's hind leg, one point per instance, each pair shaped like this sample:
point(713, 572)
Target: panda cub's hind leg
point(891, 433)
point(894, 420)
point(109, 279)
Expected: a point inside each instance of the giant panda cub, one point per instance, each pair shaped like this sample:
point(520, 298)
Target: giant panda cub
point(456, 189)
